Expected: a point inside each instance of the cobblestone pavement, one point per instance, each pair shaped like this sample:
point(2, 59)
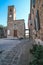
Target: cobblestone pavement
point(18, 55)
point(6, 44)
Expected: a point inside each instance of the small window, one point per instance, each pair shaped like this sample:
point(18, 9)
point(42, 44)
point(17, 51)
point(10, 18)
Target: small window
point(10, 10)
point(15, 26)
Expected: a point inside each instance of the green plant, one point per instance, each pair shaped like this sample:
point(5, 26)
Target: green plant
point(37, 53)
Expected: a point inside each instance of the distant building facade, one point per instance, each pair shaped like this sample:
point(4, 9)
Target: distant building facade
point(36, 13)
point(15, 28)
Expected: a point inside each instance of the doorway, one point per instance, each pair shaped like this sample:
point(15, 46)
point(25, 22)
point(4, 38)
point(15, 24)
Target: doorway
point(15, 33)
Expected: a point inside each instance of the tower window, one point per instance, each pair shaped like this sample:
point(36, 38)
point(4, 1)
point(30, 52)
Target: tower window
point(10, 10)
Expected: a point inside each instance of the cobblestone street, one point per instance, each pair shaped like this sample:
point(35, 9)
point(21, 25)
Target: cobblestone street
point(18, 55)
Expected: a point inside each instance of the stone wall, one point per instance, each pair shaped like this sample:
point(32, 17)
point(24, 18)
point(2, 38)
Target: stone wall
point(38, 6)
point(20, 27)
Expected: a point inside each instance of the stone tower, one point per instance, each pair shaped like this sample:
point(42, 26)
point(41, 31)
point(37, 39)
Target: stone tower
point(11, 13)
point(11, 17)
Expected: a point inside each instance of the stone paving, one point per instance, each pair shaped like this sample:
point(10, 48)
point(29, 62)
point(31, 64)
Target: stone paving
point(18, 55)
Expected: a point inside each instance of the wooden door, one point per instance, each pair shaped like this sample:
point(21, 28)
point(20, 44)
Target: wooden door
point(15, 33)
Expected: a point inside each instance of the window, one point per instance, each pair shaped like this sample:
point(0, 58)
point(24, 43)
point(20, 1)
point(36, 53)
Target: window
point(15, 26)
point(10, 10)
point(33, 3)
point(37, 21)
point(10, 15)
point(8, 32)
point(36, 24)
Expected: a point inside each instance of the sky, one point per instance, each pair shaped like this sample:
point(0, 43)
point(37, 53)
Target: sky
point(22, 10)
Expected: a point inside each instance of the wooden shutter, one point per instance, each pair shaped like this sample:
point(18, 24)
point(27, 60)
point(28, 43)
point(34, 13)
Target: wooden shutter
point(37, 21)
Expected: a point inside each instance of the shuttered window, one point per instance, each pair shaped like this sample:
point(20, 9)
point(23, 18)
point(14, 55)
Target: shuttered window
point(37, 21)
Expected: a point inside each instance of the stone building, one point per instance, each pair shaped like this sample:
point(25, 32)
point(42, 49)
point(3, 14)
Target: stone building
point(15, 28)
point(36, 12)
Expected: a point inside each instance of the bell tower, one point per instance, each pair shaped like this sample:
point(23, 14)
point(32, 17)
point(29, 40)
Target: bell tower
point(10, 20)
point(11, 13)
